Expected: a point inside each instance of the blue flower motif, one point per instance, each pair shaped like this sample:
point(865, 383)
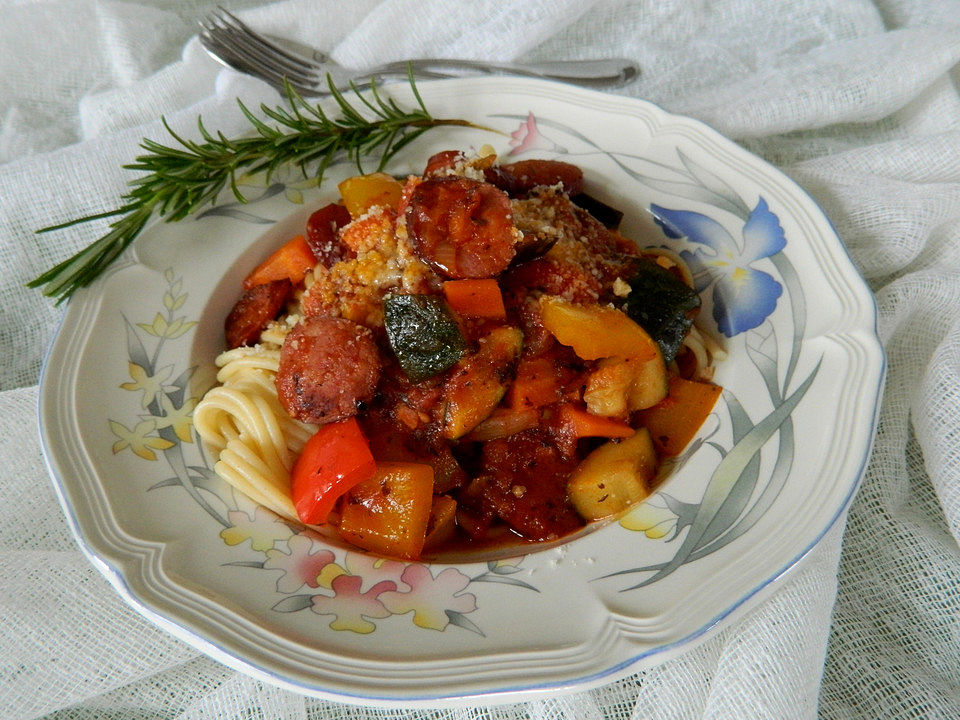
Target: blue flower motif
point(743, 296)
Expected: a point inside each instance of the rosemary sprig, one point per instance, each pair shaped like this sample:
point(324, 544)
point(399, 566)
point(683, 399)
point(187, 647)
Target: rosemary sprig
point(180, 180)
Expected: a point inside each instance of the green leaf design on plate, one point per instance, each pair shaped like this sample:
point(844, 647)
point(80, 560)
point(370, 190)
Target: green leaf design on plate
point(462, 621)
point(723, 482)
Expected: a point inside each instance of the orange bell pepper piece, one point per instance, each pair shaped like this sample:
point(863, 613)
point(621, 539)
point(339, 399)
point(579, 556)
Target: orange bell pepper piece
point(676, 419)
point(596, 331)
point(389, 513)
point(362, 192)
point(291, 261)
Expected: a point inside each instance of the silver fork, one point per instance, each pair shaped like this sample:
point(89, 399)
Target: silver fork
point(230, 41)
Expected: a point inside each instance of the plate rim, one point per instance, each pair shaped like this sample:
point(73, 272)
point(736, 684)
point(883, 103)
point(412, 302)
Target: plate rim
point(185, 630)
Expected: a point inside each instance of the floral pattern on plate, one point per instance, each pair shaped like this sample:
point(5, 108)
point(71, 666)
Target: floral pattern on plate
point(771, 471)
point(743, 298)
point(356, 592)
point(351, 587)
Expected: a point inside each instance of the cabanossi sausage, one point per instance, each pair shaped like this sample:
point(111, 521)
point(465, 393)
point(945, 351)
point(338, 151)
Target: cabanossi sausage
point(519, 178)
point(322, 228)
point(328, 365)
point(462, 228)
point(254, 310)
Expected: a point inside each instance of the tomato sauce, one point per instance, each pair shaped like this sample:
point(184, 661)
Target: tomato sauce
point(475, 385)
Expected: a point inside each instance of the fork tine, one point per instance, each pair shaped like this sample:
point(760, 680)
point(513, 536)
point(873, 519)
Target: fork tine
point(241, 42)
point(255, 42)
point(232, 49)
point(227, 55)
point(225, 45)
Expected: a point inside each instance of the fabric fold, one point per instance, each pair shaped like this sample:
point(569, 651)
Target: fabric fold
point(856, 100)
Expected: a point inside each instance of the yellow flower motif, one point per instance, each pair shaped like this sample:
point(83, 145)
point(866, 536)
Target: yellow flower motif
point(328, 574)
point(301, 565)
point(139, 439)
point(172, 303)
point(163, 328)
point(173, 299)
point(178, 327)
point(178, 418)
point(150, 385)
point(293, 182)
point(263, 529)
point(373, 569)
point(654, 521)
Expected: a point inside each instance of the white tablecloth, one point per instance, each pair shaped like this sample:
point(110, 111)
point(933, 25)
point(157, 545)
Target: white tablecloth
point(857, 100)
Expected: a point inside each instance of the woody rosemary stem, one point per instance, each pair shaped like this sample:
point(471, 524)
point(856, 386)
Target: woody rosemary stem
point(177, 181)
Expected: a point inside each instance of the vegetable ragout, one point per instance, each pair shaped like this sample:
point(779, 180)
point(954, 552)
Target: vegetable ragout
point(469, 357)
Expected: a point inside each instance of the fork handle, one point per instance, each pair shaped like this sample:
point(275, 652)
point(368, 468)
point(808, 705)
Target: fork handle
point(605, 73)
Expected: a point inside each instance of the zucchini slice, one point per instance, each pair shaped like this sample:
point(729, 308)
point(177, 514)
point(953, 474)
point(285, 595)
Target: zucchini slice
point(478, 383)
point(613, 477)
point(423, 334)
point(661, 304)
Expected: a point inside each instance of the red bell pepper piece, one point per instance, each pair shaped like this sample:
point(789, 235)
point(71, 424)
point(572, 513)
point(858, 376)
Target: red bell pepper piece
point(333, 461)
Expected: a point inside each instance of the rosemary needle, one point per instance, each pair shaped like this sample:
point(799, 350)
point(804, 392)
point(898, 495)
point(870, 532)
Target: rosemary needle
point(179, 180)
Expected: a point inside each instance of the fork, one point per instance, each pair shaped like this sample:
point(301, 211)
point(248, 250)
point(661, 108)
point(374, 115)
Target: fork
point(233, 43)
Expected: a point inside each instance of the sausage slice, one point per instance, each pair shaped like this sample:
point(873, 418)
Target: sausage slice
point(327, 366)
point(463, 228)
point(322, 228)
point(254, 310)
point(519, 178)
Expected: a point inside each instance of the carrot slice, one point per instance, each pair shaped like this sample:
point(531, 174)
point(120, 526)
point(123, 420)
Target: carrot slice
point(291, 261)
point(537, 384)
point(579, 423)
point(475, 298)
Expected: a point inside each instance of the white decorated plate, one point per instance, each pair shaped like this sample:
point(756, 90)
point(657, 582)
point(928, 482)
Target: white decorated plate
point(772, 470)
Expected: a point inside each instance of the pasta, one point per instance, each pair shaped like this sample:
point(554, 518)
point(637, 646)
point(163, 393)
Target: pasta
point(242, 423)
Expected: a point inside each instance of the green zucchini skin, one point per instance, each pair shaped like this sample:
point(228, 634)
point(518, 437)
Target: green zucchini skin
point(661, 304)
point(480, 380)
point(423, 334)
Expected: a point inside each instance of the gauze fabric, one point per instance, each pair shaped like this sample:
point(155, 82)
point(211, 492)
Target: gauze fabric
point(857, 100)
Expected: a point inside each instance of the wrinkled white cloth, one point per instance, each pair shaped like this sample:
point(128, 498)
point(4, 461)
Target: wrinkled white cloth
point(857, 100)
